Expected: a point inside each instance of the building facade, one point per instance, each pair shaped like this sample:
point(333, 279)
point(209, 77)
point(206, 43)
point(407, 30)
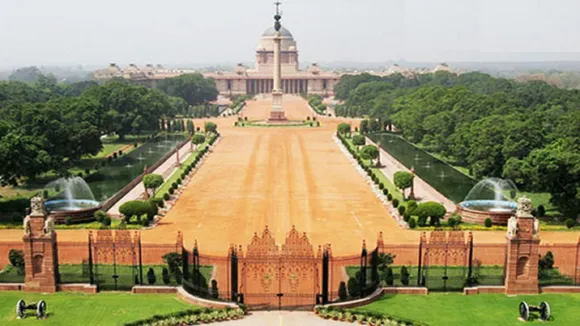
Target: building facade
point(259, 79)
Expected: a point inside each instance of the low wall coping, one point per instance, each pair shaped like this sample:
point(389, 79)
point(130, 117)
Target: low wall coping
point(159, 287)
point(205, 302)
point(358, 302)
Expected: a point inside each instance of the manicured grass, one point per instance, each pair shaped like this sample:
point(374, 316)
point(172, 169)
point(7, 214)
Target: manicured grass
point(443, 309)
point(89, 309)
point(255, 124)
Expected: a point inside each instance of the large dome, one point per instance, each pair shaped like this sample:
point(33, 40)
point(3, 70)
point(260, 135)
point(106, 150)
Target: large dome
point(271, 32)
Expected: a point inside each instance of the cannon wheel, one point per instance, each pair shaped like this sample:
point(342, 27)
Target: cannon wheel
point(20, 308)
point(524, 310)
point(545, 311)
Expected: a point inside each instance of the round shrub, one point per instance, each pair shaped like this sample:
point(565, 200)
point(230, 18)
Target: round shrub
point(174, 185)
point(389, 197)
point(488, 222)
point(385, 191)
point(451, 222)
point(422, 220)
point(541, 211)
point(406, 216)
point(157, 201)
point(106, 221)
point(570, 223)
point(99, 215)
point(68, 220)
point(395, 203)
point(166, 196)
point(179, 181)
point(412, 223)
point(171, 190)
point(401, 209)
point(411, 205)
point(145, 222)
point(139, 208)
point(381, 186)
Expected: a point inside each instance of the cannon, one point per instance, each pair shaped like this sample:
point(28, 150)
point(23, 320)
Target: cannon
point(543, 309)
point(40, 308)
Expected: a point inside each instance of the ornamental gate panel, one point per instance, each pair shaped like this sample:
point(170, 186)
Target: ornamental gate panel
point(116, 260)
point(286, 278)
point(445, 261)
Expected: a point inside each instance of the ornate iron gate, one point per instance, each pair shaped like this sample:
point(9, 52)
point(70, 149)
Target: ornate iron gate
point(445, 261)
point(115, 263)
point(280, 279)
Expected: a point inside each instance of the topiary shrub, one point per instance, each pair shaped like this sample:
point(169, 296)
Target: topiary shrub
point(165, 276)
point(381, 186)
point(451, 222)
point(395, 203)
point(404, 276)
point(16, 259)
point(406, 216)
point(166, 196)
point(68, 220)
point(541, 211)
point(385, 191)
point(214, 291)
point(179, 181)
point(99, 215)
point(570, 223)
point(178, 275)
point(171, 190)
point(411, 205)
point(354, 286)
point(138, 207)
point(389, 277)
point(145, 222)
point(401, 210)
point(412, 223)
point(487, 222)
point(342, 291)
point(174, 185)
point(157, 201)
point(389, 197)
point(422, 220)
point(106, 221)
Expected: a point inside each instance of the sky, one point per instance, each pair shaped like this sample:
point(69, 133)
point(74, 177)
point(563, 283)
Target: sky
point(98, 32)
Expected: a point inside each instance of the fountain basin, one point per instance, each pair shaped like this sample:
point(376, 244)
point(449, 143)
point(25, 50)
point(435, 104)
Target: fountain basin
point(476, 211)
point(80, 210)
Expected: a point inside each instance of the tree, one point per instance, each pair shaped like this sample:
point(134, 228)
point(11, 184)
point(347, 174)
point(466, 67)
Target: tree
point(16, 259)
point(190, 127)
point(210, 127)
point(369, 152)
point(152, 181)
point(389, 277)
point(364, 126)
point(354, 286)
point(197, 140)
point(431, 209)
point(26, 75)
point(151, 279)
point(358, 140)
point(343, 129)
point(403, 180)
point(404, 276)
point(193, 88)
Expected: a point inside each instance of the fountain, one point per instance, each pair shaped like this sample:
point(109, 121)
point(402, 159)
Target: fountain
point(490, 198)
point(75, 199)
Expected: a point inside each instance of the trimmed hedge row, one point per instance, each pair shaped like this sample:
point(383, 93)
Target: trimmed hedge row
point(363, 317)
point(368, 170)
point(189, 167)
point(192, 317)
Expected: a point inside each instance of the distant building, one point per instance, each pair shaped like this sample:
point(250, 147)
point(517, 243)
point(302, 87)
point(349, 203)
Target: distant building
point(243, 80)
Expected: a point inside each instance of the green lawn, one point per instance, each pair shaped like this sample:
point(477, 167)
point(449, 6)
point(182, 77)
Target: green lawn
point(447, 309)
point(90, 309)
point(94, 225)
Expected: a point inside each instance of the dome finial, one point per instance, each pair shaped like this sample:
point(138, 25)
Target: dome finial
point(277, 16)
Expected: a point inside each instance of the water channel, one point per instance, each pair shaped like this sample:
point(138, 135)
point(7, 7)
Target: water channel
point(444, 178)
point(115, 175)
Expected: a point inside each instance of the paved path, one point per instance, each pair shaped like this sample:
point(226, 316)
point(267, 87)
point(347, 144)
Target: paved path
point(423, 191)
point(282, 318)
point(165, 169)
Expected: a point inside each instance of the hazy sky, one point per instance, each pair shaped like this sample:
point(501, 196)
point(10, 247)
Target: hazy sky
point(59, 32)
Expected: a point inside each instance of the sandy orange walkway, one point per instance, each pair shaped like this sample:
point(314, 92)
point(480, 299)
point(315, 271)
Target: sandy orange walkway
point(280, 177)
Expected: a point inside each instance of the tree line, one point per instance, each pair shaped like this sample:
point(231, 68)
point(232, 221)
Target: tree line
point(49, 126)
point(528, 132)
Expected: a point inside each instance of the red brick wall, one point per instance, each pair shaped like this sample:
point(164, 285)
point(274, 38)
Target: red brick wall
point(5, 249)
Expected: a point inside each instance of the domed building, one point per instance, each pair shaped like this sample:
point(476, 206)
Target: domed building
point(259, 80)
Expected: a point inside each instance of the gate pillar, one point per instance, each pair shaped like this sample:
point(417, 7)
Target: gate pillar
point(522, 251)
point(40, 252)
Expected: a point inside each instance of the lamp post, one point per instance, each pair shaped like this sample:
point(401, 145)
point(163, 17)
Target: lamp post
point(379, 157)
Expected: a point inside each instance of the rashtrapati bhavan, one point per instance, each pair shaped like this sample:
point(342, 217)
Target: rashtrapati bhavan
point(258, 80)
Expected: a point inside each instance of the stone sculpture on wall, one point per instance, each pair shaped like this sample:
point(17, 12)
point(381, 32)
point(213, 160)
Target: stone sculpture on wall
point(49, 225)
point(512, 226)
point(524, 207)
